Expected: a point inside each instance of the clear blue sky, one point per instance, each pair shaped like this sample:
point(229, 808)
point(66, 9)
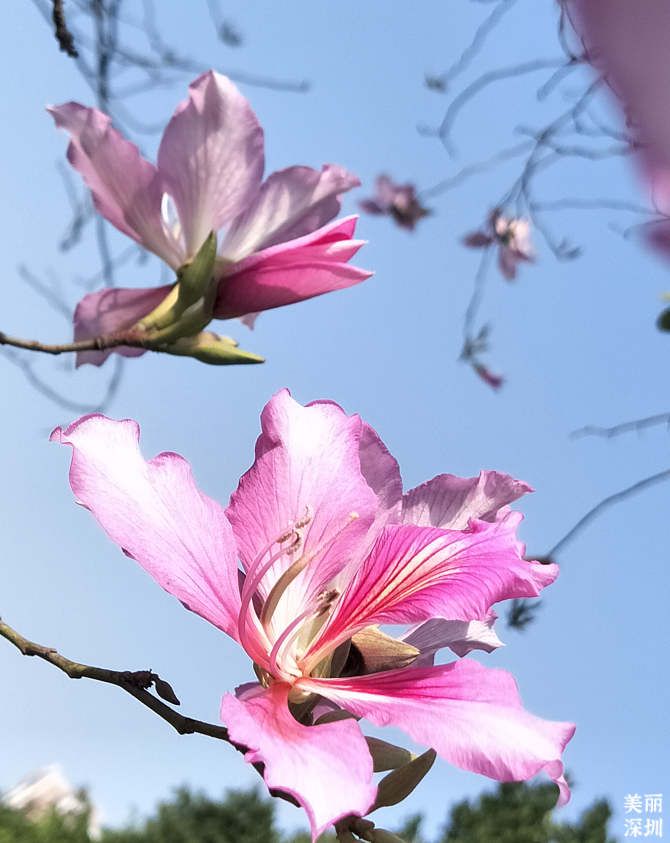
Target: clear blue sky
point(576, 342)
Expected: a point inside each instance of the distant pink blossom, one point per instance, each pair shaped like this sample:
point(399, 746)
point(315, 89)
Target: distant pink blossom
point(627, 42)
point(396, 200)
point(330, 548)
point(512, 237)
point(494, 381)
point(277, 248)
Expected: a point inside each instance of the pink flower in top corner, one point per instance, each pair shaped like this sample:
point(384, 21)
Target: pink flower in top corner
point(512, 237)
point(396, 200)
point(627, 42)
point(279, 245)
point(318, 547)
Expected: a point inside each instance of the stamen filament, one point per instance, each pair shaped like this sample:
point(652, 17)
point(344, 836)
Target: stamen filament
point(297, 568)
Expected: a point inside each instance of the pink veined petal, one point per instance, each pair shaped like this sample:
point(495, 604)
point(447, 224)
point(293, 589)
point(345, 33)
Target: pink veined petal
point(449, 502)
point(381, 471)
point(126, 189)
point(469, 714)
point(307, 461)
point(418, 573)
point(111, 310)
point(460, 636)
point(291, 272)
point(155, 513)
point(291, 203)
point(211, 157)
point(327, 768)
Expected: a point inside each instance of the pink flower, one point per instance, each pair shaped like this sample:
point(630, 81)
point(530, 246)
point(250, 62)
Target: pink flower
point(277, 248)
point(627, 42)
point(329, 549)
point(511, 235)
point(494, 381)
point(396, 200)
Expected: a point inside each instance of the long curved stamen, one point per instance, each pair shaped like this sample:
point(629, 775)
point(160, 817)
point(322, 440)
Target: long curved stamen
point(255, 574)
point(298, 567)
point(323, 604)
point(247, 611)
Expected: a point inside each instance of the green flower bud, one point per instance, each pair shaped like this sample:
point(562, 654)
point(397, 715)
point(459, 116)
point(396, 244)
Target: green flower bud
point(401, 782)
point(210, 348)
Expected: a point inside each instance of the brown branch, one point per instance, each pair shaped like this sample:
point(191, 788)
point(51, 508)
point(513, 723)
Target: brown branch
point(136, 684)
point(130, 338)
point(62, 33)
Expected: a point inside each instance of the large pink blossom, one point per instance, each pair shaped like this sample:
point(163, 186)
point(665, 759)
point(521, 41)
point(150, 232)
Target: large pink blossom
point(330, 548)
point(277, 248)
point(627, 42)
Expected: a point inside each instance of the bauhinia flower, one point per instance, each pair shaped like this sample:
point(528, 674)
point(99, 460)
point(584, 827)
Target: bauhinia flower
point(330, 549)
point(278, 247)
point(627, 43)
point(494, 381)
point(512, 237)
point(396, 200)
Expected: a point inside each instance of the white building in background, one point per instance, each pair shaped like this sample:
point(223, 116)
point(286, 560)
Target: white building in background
point(48, 788)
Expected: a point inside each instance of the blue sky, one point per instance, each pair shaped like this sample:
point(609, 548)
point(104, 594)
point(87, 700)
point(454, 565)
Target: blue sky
point(576, 342)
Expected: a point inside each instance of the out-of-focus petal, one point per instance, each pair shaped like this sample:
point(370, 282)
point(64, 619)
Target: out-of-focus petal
point(477, 240)
point(111, 310)
point(418, 573)
point(211, 157)
point(291, 203)
point(307, 464)
point(155, 513)
point(627, 41)
point(507, 261)
point(470, 715)
point(450, 502)
point(327, 768)
point(126, 189)
point(460, 636)
point(369, 206)
point(291, 272)
point(385, 191)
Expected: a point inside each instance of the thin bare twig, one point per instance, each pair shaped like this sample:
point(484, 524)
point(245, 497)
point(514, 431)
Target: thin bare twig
point(135, 683)
point(605, 504)
point(63, 35)
point(626, 427)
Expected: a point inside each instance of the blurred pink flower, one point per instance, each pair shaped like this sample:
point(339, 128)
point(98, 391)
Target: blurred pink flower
point(627, 42)
point(494, 381)
point(512, 237)
point(330, 548)
point(396, 200)
point(277, 248)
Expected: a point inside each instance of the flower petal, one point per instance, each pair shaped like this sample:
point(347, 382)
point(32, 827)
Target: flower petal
point(211, 157)
point(460, 636)
point(291, 272)
point(155, 513)
point(126, 188)
point(111, 310)
point(450, 502)
point(291, 203)
point(307, 461)
point(418, 573)
point(327, 768)
point(469, 714)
